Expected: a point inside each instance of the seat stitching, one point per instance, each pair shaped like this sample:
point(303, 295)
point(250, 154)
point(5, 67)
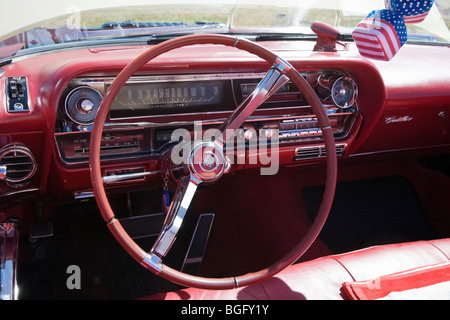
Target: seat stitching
point(337, 260)
point(265, 291)
point(445, 255)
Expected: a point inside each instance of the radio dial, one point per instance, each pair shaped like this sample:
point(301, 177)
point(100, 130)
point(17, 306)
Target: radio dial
point(267, 132)
point(248, 134)
point(245, 134)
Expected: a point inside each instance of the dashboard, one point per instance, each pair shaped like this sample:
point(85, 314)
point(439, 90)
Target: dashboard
point(208, 98)
point(51, 101)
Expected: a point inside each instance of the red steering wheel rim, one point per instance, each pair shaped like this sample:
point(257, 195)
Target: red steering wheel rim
point(121, 235)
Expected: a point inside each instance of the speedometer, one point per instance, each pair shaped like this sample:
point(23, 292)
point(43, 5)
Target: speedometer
point(344, 92)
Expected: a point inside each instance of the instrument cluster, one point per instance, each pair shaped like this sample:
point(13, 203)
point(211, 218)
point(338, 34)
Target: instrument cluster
point(165, 103)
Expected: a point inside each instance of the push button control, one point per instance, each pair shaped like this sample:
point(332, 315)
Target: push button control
point(17, 94)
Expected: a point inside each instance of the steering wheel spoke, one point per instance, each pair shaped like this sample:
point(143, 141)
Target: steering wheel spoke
point(174, 219)
point(274, 79)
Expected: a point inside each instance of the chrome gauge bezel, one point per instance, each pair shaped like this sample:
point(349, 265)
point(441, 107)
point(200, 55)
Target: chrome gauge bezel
point(352, 100)
point(92, 114)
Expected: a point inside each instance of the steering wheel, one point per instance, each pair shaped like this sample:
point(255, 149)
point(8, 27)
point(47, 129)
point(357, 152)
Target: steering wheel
point(205, 171)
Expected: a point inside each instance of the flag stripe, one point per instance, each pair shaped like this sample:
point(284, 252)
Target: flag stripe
point(376, 38)
point(415, 19)
point(383, 32)
point(372, 48)
point(413, 11)
point(385, 27)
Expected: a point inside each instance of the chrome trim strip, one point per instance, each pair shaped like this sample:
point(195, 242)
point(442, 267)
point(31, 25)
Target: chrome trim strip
point(128, 177)
point(145, 124)
point(83, 195)
point(15, 193)
point(9, 248)
point(170, 78)
point(229, 112)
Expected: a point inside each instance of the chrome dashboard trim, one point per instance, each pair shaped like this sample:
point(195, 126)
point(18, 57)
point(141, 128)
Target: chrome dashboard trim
point(19, 192)
point(171, 78)
point(144, 124)
point(101, 82)
point(128, 177)
point(148, 124)
point(82, 195)
point(9, 248)
point(120, 126)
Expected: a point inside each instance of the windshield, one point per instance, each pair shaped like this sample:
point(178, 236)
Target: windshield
point(64, 22)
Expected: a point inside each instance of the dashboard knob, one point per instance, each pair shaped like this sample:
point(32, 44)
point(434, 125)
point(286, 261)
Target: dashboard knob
point(267, 132)
point(86, 106)
point(248, 134)
point(245, 134)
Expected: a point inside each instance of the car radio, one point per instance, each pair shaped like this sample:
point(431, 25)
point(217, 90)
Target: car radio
point(74, 146)
point(306, 128)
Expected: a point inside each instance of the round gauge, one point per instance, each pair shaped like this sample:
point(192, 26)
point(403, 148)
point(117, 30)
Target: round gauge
point(82, 104)
point(344, 92)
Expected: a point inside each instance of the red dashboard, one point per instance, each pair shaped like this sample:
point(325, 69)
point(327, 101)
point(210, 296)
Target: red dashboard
point(203, 84)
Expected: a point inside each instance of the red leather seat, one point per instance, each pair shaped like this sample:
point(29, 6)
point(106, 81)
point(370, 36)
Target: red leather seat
point(322, 278)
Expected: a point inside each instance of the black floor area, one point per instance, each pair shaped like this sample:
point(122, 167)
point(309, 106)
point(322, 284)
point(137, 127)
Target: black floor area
point(370, 212)
point(81, 238)
point(364, 213)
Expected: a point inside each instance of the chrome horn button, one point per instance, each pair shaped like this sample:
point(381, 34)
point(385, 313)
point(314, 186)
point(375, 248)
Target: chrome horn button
point(207, 161)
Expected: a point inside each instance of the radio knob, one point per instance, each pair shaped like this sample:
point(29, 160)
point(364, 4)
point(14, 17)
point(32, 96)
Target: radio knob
point(248, 134)
point(267, 132)
point(245, 134)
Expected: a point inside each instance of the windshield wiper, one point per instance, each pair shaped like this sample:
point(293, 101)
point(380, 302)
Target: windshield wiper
point(115, 30)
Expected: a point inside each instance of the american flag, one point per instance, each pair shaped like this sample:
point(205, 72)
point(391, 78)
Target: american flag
point(413, 11)
point(380, 35)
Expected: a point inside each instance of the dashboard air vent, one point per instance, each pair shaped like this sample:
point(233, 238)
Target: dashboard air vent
point(19, 162)
point(316, 152)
